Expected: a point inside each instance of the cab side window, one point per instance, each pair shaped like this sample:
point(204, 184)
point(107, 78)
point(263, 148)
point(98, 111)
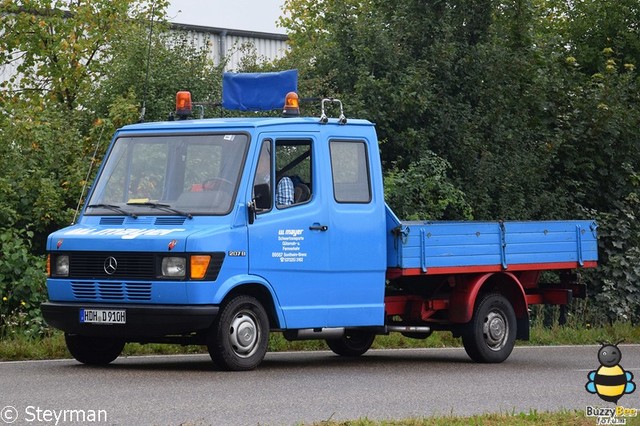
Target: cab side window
point(350, 172)
point(293, 172)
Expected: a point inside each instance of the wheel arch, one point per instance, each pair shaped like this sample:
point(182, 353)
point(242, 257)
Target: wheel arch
point(465, 294)
point(260, 289)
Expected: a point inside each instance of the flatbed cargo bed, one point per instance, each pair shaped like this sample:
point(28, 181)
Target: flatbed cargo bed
point(424, 247)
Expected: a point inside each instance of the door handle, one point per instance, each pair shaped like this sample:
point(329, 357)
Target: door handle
point(317, 227)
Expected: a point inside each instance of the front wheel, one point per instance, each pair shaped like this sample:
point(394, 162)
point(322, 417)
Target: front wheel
point(491, 334)
point(93, 350)
point(353, 343)
point(239, 337)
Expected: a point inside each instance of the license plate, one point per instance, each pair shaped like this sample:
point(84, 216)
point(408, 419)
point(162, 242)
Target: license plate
point(103, 316)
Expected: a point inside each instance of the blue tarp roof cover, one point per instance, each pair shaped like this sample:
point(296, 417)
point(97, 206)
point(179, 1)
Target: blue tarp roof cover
point(257, 91)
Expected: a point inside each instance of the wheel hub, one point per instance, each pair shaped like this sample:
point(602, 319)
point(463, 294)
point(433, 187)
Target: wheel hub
point(244, 334)
point(495, 330)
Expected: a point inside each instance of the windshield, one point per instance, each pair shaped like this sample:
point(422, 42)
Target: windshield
point(178, 174)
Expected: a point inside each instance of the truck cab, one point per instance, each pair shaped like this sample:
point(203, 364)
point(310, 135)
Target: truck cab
point(186, 217)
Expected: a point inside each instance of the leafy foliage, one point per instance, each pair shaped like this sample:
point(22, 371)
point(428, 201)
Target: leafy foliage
point(592, 26)
point(21, 284)
point(175, 63)
point(40, 170)
point(423, 191)
point(59, 48)
point(615, 282)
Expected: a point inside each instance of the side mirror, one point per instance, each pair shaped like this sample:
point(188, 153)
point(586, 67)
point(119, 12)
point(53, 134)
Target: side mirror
point(261, 201)
point(262, 196)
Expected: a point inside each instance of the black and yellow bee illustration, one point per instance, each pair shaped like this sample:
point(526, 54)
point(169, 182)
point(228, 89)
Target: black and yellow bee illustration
point(610, 381)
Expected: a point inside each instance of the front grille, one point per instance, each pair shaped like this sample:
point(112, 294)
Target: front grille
point(91, 265)
point(111, 291)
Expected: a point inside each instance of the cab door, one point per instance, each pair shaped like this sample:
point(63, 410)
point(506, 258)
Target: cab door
point(289, 241)
point(356, 233)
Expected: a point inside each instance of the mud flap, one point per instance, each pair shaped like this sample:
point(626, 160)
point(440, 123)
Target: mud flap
point(522, 333)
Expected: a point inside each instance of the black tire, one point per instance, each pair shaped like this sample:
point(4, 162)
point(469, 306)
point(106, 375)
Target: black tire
point(491, 334)
point(93, 350)
point(352, 344)
point(239, 337)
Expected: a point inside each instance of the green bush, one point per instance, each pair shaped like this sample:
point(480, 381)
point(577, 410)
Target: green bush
point(423, 191)
point(22, 285)
point(615, 284)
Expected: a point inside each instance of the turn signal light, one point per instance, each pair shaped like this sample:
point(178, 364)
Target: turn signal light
point(199, 266)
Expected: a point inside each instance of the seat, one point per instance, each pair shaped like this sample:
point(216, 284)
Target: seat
point(301, 193)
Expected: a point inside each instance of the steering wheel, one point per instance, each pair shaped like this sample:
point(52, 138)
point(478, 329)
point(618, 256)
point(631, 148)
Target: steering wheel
point(217, 184)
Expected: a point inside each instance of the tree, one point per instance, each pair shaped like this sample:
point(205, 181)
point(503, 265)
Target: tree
point(59, 47)
point(591, 26)
point(174, 62)
point(423, 191)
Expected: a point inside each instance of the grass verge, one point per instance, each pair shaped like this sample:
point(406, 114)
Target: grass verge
point(17, 346)
point(572, 418)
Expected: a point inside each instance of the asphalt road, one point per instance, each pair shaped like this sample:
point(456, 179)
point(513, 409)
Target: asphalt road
point(290, 388)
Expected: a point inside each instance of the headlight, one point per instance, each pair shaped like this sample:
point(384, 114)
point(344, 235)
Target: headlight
point(62, 266)
point(174, 267)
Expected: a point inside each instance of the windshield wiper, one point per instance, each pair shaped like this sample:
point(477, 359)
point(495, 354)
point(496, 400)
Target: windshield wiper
point(114, 208)
point(166, 207)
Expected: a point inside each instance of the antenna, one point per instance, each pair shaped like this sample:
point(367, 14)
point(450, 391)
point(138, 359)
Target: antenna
point(146, 78)
point(86, 179)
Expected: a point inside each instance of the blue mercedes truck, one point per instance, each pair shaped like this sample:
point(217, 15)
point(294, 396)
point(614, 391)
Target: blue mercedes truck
point(218, 232)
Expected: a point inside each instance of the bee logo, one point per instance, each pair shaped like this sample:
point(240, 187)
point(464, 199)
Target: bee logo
point(610, 381)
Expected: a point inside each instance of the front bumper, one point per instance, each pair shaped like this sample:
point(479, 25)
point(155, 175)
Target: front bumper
point(143, 321)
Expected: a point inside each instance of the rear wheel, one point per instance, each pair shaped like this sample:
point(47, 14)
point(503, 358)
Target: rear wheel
point(93, 350)
point(239, 337)
point(491, 334)
point(353, 343)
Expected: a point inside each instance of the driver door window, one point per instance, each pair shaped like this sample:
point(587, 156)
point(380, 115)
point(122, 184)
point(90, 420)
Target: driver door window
point(292, 173)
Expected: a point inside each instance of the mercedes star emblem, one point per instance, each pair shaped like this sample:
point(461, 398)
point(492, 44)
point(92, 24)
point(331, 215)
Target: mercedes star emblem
point(110, 265)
